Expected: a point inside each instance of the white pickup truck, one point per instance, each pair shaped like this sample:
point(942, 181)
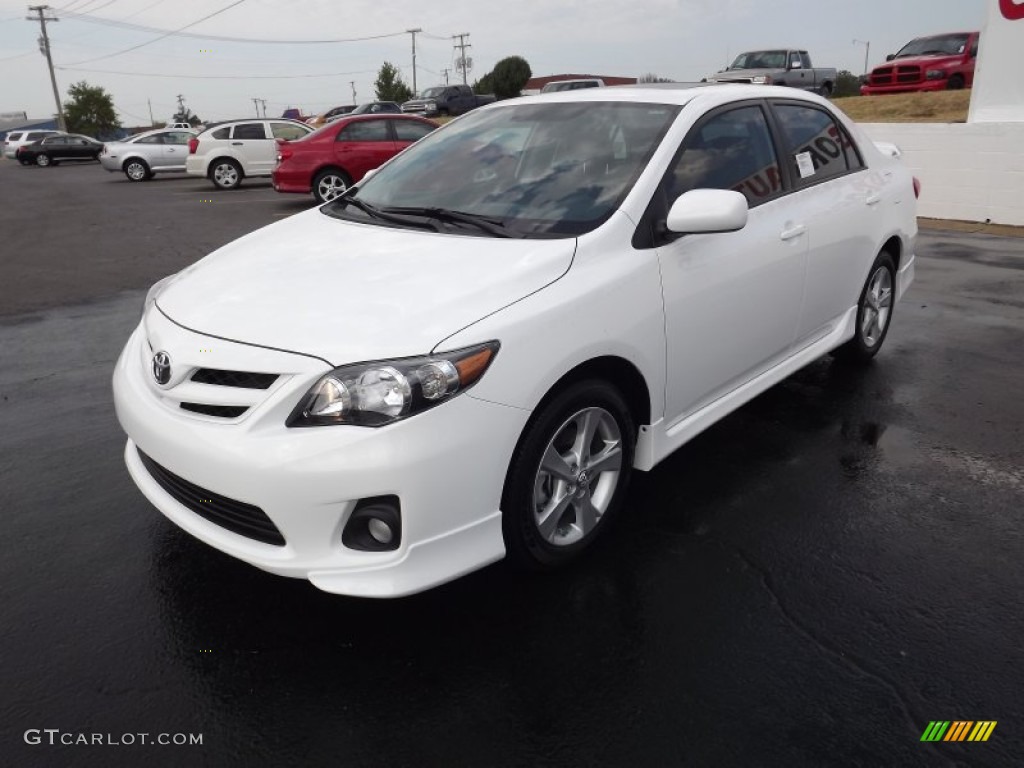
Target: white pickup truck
point(780, 66)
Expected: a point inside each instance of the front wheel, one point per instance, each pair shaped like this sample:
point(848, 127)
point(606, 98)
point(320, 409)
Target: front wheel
point(329, 184)
point(955, 83)
point(137, 170)
point(874, 312)
point(568, 476)
point(226, 174)
point(43, 160)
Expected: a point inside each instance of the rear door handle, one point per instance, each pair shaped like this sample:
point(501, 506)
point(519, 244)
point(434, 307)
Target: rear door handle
point(236, 143)
point(792, 232)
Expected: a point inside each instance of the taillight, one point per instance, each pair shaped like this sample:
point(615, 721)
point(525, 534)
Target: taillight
point(193, 145)
point(284, 152)
point(917, 188)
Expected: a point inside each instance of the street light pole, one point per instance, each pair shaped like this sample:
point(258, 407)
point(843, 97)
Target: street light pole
point(867, 51)
point(413, 32)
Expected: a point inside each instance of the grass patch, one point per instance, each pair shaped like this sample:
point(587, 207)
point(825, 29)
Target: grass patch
point(926, 107)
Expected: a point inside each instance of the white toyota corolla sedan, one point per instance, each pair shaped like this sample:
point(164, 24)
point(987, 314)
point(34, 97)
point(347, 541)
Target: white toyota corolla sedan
point(467, 355)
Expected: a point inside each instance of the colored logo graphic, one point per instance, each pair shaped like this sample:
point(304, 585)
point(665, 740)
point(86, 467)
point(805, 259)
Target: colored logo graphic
point(958, 730)
point(1012, 9)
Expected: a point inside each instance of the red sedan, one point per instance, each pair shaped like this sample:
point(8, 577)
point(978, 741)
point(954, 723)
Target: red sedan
point(330, 160)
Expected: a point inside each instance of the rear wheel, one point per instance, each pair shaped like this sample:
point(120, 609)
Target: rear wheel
point(568, 476)
point(329, 184)
point(825, 90)
point(43, 160)
point(874, 312)
point(137, 170)
point(226, 174)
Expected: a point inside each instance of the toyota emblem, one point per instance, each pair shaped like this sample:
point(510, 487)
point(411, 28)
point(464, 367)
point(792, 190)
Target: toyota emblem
point(162, 368)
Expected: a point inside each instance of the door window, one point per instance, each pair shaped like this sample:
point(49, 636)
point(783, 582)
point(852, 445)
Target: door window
point(365, 130)
point(221, 133)
point(731, 150)
point(287, 131)
point(249, 131)
point(177, 137)
point(817, 147)
point(155, 139)
point(411, 130)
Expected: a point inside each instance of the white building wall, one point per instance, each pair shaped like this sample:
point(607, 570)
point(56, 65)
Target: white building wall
point(968, 171)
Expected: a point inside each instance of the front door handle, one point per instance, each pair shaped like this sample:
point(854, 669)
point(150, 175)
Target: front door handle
point(236, 143)
point(793, 232)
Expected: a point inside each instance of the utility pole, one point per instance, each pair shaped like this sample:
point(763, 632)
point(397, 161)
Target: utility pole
point(44, 43)
point(462, 45)
point(867, 51)
point(264, 103)
point(181, 107)
point(445, 73)
point(256, 103)
point(413, 33)
point(152, 122)
point(352, 85)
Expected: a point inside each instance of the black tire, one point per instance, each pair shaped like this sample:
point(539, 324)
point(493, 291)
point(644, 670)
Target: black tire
point(556, 425)
point(955, 83)
point(23, 161)
point(225, 173)
point(323, 179)
point(43, 160)
point(868, 337)
point(825, 90)
point(137, 169)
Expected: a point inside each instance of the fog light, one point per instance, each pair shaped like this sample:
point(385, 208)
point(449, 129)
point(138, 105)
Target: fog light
point(375, 525)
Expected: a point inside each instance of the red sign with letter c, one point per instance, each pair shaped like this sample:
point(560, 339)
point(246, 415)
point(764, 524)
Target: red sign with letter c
point(1011, 9)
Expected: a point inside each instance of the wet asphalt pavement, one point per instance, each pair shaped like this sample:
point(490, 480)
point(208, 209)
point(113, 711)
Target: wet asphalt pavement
point(808, 583)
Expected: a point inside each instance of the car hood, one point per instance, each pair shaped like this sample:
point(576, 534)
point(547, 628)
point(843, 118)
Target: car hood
point(920, 60)
point(347, 292)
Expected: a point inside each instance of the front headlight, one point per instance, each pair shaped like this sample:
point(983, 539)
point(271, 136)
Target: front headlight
point(934, 74)
point(386, 391)
point(155, 291)
point(430, 106)
point(761, 80)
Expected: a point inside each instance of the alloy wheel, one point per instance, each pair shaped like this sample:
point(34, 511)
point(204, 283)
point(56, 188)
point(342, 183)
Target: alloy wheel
point(330, 186)
point(877, 307)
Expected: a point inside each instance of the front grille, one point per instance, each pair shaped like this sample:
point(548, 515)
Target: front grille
point(236, 516)
point(241, 379)
point(220, 411)
point(898, 75)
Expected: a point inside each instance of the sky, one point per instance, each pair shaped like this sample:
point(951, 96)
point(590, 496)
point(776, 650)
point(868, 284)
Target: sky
point(678, 39)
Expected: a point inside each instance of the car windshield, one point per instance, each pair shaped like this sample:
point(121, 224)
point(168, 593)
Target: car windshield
point(940, 45)
point(432, 93)
point(760, 60)
point(536, 170)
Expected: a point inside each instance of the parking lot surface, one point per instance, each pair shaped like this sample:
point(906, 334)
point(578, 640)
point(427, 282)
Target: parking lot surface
point(810, 582)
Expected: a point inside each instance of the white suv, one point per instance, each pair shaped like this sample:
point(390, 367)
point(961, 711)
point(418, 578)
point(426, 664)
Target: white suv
point(17, 139)
point(229, 152)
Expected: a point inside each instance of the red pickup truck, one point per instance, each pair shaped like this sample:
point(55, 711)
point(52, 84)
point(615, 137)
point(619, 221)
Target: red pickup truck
point(933, 63)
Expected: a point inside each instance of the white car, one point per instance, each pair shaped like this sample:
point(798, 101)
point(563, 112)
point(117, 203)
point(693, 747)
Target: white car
point(229, 152)
point(17, 139)
point(467, 356)
point(572, 85)
point(142, 155)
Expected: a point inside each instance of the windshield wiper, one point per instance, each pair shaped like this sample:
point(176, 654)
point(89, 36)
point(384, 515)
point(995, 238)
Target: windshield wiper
point(384, 215)
point(487, 224)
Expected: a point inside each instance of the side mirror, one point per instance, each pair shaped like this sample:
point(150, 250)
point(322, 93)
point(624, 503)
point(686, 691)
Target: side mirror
point(796, 64)
point(708, 210)
point(890, 57)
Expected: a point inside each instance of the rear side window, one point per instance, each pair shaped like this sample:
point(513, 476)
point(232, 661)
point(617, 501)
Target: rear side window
point(38, 135)
point(287, 131)
point(249, 131)
point(154, 139)
point(221, 133)
point(817, 147)
point(411, 130)
point(177, 137)
point(731, 150)
point(365, 130)
point(13, 136)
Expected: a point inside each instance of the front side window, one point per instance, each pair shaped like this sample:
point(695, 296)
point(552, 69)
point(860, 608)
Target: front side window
point(731, 150)
point(540, 170)
point(365, 130)
point(249, 131)
point(54, 140)
point(817, 148)
point(287, 131)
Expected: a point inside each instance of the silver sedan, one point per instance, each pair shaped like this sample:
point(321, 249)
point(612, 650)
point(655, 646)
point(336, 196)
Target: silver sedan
point(144, 154)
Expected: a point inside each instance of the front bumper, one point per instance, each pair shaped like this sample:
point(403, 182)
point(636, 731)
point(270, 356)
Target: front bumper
point(447, 466)
point(924, 85)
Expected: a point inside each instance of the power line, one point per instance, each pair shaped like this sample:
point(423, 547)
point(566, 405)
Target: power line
point(213, 77)
point(161, 37)
point(223, 38)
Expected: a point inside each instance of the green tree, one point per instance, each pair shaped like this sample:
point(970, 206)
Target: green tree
point(509, 76)
point(650, 77)
point(90, 110)
point(847, 84)
point(485, 84)
point(390, 86)
point(186, 115)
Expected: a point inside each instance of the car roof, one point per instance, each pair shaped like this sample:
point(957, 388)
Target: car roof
point(664, 93)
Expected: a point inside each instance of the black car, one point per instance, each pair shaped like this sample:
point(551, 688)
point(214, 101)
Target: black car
point(376, 107)
point(53, 149)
